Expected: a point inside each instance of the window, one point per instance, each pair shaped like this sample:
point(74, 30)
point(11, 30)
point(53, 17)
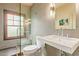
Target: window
point(14, 25)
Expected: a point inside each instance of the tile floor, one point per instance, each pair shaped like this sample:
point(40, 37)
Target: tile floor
point(10, 51)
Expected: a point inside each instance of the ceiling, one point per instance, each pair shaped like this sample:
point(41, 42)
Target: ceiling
point(30, 4)
point(59, 4)
point(27, 4)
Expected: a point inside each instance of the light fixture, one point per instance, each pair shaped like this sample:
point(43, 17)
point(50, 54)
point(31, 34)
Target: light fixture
point(52, 10)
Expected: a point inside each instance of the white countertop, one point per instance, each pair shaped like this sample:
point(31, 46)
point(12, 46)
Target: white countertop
point(65, 44)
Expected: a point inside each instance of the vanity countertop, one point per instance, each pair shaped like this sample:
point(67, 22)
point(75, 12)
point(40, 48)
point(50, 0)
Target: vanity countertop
point(65, 44)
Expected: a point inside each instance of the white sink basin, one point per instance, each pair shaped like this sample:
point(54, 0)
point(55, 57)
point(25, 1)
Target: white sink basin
point(68, 45)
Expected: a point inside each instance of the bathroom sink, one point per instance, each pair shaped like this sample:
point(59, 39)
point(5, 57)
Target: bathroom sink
point(65, 44)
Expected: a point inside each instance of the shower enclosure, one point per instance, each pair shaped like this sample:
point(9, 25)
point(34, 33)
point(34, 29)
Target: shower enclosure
point(15, 25)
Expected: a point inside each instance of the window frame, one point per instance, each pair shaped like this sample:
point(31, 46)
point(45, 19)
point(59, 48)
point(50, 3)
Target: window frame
point(5, 25)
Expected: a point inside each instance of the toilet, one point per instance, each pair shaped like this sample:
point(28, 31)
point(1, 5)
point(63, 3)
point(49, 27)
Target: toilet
point(30, 50)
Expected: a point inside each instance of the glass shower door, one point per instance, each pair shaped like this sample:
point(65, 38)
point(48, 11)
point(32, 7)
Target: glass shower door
point(24, 30)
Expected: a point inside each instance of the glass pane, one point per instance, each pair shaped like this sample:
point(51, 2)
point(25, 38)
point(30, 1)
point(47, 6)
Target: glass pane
point(12, 31)
point(22, 31)
point(9, 16)
point(16, 23)
point(22, 23)
point(22, 18)
point(10, 22)
point(17, 18)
